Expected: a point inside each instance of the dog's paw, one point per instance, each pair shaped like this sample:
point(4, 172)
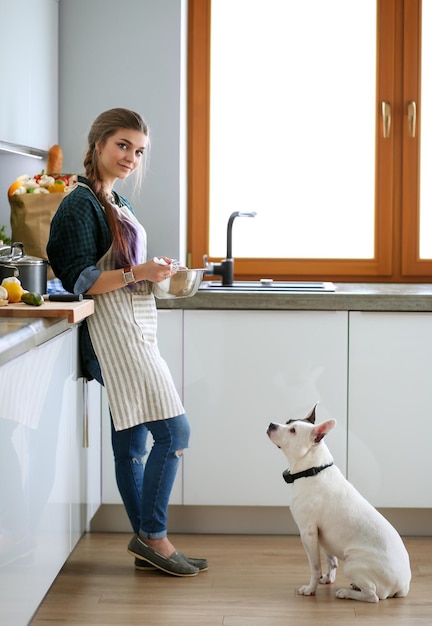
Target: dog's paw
point(354, 593)
point(306, 590)
point(344, 594)
point(327, 579)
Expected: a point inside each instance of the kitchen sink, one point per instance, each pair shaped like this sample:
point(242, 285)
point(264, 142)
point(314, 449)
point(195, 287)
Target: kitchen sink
point(270, 286)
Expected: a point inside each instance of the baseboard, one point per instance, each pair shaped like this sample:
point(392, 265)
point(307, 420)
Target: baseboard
point(246, 520)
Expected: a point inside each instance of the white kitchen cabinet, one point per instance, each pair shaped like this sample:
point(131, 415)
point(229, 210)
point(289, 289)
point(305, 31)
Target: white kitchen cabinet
point(49, 483)
point(390, 367)
point(170, 340)
point(85, 443)
point(243, 369)
point(78, 475)
point(29, 72)
point(34, 475)
point(92, 450)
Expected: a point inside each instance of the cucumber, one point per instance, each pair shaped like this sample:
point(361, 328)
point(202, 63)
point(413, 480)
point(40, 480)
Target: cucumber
point(34, 299)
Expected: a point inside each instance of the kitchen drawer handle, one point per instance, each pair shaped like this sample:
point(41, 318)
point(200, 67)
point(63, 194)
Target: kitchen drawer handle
point(386, 116)
point(412, 118)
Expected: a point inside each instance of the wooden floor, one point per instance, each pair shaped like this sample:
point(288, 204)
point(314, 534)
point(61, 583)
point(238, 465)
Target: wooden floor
point(251, 581)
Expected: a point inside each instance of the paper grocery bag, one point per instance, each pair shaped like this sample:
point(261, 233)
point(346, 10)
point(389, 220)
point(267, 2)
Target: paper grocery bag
point(30, 218)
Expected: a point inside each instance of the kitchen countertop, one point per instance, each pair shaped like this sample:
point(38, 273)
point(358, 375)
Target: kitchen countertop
point(74, 312)
point(346, 297)
point(24, 327)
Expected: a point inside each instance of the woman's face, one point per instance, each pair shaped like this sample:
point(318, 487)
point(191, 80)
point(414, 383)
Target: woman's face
point(120, 155)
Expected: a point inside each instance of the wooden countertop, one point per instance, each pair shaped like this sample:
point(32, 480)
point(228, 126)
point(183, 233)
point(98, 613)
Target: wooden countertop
point(74, 311)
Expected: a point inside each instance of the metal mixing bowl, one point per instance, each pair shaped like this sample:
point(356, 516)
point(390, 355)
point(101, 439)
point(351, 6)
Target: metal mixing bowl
point(183, 284)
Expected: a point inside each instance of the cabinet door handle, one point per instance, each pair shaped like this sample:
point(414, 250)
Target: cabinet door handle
point(412, 118)
point(85, 442)
point(386, 117)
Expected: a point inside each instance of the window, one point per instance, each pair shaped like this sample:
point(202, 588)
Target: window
point(426, 144)
point(303, 112)
point(282, 124)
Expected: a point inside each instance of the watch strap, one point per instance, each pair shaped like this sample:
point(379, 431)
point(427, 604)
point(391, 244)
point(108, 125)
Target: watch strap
point(128, 275)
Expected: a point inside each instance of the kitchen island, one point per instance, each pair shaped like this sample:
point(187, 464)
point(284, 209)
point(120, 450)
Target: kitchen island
point(23, 327)
point(50, 455)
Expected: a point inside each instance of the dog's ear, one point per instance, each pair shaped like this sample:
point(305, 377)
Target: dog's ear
point(320, 431)
point(310, 417)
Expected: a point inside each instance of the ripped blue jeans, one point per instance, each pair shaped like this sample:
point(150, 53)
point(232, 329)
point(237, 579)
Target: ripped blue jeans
point(145, 489)
point(145, 486)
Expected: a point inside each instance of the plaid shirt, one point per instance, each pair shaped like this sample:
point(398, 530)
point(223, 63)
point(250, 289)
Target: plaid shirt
point(79, 237)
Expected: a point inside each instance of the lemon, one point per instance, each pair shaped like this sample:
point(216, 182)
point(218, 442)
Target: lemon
point(58, 187)
point(3, 294)
point(14, 290)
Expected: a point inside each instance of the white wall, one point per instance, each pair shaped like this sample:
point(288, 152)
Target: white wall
point(130, 53)
point(29, 88)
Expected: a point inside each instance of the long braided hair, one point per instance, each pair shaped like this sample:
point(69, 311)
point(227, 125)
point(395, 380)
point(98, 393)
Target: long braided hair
point(126, 242)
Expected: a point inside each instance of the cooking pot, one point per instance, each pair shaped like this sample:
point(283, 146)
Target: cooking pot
point(31, 271)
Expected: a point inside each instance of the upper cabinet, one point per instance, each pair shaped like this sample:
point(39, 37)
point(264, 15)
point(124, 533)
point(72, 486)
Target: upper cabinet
point(29, 73)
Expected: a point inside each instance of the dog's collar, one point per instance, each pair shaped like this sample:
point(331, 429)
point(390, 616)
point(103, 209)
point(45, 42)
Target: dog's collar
point(312, 471)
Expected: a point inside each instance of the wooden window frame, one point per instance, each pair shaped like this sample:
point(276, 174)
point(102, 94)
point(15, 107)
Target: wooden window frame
point(397, 187)
point(412, 265)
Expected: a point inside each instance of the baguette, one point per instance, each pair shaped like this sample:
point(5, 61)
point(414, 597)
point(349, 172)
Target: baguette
point(55, 160)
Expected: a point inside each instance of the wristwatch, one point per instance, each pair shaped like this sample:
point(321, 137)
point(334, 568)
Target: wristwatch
point(128, 275)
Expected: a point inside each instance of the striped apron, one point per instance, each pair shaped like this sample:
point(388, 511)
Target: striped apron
point(123, 329)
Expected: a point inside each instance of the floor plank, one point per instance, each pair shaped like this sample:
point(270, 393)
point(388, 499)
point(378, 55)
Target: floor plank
point(251, 582)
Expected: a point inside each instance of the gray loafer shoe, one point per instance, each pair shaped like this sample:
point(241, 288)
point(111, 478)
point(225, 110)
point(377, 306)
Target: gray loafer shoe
point(144, 566)
point(175, 565)
point(201, 564)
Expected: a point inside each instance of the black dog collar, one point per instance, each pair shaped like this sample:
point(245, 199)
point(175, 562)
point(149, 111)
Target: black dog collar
point(312, 471)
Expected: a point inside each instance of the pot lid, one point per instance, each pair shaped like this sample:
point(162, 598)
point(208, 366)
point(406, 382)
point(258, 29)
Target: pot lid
point(15, 255)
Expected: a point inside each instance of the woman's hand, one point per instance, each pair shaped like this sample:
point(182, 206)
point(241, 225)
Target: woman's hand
point(154, 271)
point(157, 271)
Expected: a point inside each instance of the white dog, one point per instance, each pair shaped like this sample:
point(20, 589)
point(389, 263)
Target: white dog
point(330, 512)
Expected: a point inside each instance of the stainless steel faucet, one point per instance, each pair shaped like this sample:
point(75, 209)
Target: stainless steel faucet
point(226, 267)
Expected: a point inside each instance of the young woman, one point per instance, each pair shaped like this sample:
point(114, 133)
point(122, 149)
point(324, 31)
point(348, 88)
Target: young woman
point(97, 247)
